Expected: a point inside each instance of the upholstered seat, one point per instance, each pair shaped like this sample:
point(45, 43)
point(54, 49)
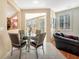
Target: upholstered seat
point(16, 42)
point(38, 41)
point(19, 46)
point(34, 44)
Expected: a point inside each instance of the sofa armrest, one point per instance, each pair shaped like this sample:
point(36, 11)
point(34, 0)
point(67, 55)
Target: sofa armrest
point(69, 41)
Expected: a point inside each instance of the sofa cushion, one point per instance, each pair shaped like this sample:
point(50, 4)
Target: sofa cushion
point(67, 36)
point(71, 37)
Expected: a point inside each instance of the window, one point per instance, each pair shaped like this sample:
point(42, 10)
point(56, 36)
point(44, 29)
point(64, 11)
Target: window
point(65, 22)
point(61, 22)
point(30, 22)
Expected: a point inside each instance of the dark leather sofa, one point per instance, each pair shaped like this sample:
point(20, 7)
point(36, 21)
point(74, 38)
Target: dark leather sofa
point(67, 43)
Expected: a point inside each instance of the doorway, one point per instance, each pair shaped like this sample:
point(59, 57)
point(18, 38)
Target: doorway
point(36, 21)
point(47, 22)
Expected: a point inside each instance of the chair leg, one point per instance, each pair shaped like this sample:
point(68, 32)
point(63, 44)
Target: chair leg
point(43, 48)
point(26, 46)
point(20, 53)
point(36, 53)
point(11, 51)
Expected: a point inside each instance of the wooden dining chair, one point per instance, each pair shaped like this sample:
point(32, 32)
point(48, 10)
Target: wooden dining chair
point(16, 42)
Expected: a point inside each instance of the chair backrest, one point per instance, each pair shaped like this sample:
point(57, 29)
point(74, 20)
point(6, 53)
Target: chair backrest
point(14, 38)
point(40, 38)
point(38, 32)
point(21, 32)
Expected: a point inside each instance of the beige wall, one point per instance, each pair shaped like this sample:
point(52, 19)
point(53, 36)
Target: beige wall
point(5, 44)
point(2, 14)
point(4, 38)
point(74, 18)
point(10, 11)
point(13, 10)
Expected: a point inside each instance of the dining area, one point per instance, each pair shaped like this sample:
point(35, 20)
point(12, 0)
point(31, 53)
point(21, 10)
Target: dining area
point(19, 40)
point(22, 48)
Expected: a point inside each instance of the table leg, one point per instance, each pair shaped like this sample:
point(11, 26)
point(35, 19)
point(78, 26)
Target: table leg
point(29, 44)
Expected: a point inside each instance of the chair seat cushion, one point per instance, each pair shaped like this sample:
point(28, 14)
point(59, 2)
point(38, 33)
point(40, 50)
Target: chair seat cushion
point(35, 45)
point(20, 45)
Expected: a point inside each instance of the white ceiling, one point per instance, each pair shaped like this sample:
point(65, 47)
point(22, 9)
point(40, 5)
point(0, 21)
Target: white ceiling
point(56, 5)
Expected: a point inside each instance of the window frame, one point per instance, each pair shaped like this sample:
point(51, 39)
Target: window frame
point(65, 22)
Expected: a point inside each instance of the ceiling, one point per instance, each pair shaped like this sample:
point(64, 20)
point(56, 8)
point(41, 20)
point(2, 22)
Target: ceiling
point(55, 5)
